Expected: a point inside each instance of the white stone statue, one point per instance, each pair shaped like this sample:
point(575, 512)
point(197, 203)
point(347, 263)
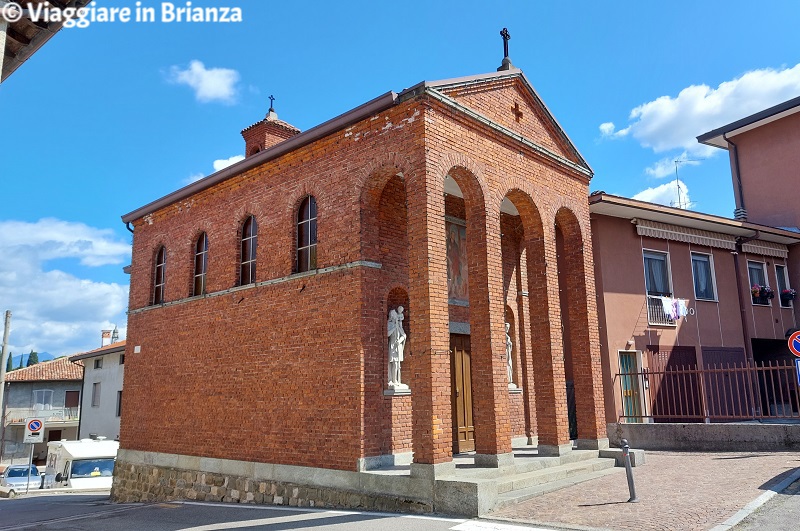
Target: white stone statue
point(397, 344)
point(510, 358)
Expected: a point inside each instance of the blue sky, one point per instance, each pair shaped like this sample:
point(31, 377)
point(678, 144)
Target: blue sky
point(105, 119)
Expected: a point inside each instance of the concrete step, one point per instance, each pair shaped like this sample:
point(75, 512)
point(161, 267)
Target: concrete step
point(551, 474)
point(526, 463)
point(513, 497)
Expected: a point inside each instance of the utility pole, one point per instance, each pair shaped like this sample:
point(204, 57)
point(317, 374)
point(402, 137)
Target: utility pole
point(3, 357)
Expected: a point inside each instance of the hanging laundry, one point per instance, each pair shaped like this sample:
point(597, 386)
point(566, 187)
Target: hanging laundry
point(668, 306)
point(683, 310)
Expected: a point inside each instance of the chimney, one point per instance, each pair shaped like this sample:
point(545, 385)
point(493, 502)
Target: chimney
point(267, 133)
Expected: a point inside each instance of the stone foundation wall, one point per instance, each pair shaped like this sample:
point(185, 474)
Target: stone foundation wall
point(140, 483)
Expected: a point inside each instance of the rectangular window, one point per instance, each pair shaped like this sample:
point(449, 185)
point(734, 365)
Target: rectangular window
point(96, 394)
point(783, 286)
point(72, 399)
point(757, 271)
point(43, 399)
point(122, 359)
point(98, 363)
point(703, 274)
point(656, 274)
point(119, 403)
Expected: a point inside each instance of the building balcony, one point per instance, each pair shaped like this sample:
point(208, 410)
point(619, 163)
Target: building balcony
point(656, 314)
point(63, 416)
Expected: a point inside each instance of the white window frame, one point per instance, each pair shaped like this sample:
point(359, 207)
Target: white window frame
point(786, 281)
point(44, 403)
point(750, 281)
point(669, 269)
point(98, 363)
point(713, 276)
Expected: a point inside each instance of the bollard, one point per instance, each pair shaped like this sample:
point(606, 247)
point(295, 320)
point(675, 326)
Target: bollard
point(629, 470)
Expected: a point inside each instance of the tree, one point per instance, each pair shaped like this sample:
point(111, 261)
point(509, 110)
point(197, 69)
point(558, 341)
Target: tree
point(21, 357)
point(9, 366)
point(33, 358)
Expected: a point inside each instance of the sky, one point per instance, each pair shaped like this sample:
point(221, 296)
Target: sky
point(107, 118)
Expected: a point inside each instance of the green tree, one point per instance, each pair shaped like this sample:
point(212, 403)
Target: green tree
point(9, 366)
point(21, 357)
point(33, 358)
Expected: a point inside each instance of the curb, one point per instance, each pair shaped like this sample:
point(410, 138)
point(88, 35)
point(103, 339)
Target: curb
point(751, 507)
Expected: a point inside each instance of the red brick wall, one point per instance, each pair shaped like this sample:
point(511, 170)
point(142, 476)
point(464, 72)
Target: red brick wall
point(294, 372)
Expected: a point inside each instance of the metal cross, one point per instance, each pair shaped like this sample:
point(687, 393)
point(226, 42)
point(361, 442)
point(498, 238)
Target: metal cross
point(506, 37)
point(271, 101)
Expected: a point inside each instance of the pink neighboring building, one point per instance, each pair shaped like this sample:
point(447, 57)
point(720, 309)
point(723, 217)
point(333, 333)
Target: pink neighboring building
point(645, 252)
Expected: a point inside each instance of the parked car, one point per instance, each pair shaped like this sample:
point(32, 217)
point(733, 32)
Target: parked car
point(16, 476)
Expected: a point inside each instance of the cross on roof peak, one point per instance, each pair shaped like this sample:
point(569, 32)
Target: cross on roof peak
point(506, 65)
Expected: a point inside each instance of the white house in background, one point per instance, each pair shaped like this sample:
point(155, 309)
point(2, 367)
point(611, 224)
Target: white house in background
point(49, 390)
point(103, 373)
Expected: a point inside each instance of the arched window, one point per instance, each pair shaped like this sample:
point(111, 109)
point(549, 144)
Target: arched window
point(200, 265)
point(159, 276)
point(307, 235)
point(247, 268)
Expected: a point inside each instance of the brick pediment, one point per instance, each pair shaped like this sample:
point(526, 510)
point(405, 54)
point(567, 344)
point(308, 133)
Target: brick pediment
point(508, 101)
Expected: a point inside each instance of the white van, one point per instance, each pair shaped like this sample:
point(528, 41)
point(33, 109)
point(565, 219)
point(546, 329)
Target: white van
point(84, 464)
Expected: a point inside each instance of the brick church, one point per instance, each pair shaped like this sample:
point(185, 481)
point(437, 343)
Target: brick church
point(258, 347)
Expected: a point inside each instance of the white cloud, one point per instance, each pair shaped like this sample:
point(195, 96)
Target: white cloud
point(673, 123)
point(209, 84)
point(193, 178)
point(669, 194)
point(666, 166)
point(221, 164)
point(52, 310)
point(608, 130)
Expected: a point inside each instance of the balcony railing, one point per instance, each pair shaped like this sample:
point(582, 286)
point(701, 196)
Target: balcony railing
point(656, 314)
point(16, 415)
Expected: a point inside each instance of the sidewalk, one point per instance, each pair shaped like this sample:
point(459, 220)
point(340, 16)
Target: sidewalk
point(677, 491)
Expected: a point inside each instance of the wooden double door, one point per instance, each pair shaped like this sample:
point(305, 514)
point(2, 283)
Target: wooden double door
point(461, 385)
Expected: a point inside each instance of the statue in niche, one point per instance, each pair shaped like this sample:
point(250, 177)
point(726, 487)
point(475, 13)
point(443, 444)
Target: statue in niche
point(510, 358)
point(397, 345)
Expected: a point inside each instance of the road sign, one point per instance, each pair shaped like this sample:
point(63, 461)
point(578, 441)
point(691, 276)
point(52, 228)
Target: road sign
point(794, 343)
point(34, 431)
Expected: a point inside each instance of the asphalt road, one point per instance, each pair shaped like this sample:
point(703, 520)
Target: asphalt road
point(71, 512)
point(781, 512)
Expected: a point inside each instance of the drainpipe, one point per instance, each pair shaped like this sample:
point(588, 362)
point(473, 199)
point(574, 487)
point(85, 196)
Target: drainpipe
point(740, 241)
point(741, 212)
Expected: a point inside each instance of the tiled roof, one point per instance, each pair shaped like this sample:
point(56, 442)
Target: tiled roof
point(119, 346)
point(58, 369)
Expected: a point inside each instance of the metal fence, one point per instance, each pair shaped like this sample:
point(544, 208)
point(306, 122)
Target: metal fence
point(656, 314)
point(713, 393)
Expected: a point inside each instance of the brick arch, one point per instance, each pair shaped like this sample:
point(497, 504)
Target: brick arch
point(373, 178)
point(466, 172)
point(575, 317)
point(543, 374)
point(564, 205)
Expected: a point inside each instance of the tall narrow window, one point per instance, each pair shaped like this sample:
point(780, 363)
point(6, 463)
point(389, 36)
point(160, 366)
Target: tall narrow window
point(96, 394)
point(307, 235)
point(247, 269)
point(119, 403)
point(656, 274)
point(758, 281)
point(783, 286)
point(703, 273)
point(200, 265)
point(159, 277)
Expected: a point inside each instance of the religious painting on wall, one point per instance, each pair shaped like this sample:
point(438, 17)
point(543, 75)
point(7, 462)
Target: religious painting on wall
point(457, 285)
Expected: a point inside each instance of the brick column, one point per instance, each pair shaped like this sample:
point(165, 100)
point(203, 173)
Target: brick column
point(487, 338)
point(589, 376)
point(546, 347)
point(525, 345)
point(428, 365)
